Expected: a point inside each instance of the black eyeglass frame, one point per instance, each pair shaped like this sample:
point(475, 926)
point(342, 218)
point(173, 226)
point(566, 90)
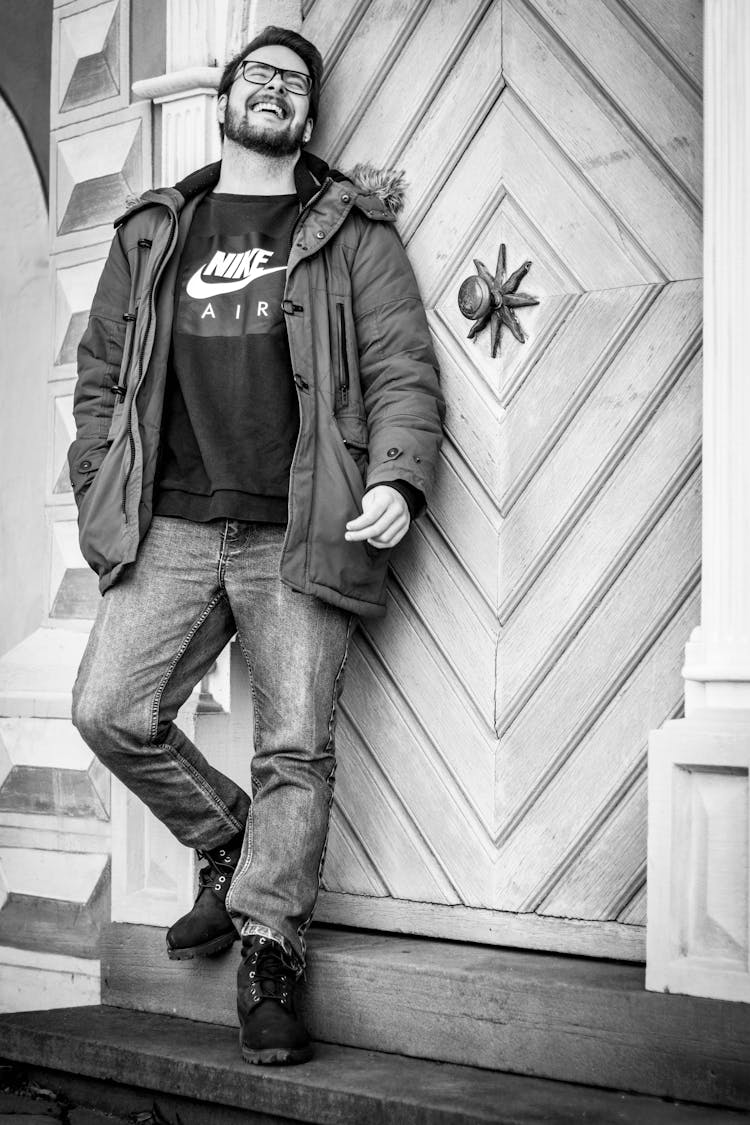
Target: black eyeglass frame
point(274, 71)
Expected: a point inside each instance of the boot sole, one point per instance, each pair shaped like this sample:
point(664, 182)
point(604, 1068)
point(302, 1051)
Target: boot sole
point(277, 1056)
point(206, 950)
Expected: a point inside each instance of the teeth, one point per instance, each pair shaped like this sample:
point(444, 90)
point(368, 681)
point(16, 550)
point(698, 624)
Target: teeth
point(270, 106)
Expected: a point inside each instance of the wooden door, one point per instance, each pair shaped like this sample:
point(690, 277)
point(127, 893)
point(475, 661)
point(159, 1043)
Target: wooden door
point(492, 743)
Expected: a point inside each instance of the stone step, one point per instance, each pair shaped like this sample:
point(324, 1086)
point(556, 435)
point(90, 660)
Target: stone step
point(125, 1062)
point(572, 1019)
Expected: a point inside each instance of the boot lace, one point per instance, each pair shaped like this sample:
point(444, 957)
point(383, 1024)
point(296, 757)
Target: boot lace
point(270, 978)
point(217, 872)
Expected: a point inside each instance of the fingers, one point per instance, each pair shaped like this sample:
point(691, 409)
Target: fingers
point(375, 506)
point(381, 531)
point(384, 520)
point(394, 535)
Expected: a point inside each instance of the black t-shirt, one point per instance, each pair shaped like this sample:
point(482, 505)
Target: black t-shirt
point(231, 416)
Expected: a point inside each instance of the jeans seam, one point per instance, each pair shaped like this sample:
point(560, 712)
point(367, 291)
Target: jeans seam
point(241, 871)
point(179, 759)
point(199, 781)
point(330, 782)
point(180, 653)
point(221, 564)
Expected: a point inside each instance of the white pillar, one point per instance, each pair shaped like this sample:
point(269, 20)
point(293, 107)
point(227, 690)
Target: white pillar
point(699, 794)
point(185, 127)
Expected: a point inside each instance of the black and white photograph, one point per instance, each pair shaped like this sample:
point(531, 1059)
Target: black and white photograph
point(374, 556)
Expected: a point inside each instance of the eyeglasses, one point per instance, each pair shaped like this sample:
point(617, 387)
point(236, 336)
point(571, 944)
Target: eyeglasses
point(260, 73)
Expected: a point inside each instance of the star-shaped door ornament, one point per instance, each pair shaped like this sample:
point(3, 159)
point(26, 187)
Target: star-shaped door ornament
point(492, 300)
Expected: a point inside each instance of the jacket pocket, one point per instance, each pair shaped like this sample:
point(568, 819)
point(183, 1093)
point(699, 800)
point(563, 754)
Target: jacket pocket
point(84, 461)
point(358, 453)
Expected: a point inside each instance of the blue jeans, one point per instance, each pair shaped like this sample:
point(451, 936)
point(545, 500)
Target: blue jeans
point(157, 633)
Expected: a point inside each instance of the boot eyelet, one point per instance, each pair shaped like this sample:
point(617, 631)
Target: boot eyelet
point(217, 886)
point(222, 878)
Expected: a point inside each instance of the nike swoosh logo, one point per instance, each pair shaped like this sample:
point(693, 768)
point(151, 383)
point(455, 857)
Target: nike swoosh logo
point(201, 289)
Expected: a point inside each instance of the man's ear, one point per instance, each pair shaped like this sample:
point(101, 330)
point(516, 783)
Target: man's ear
point(307, 131)
point(221, 108)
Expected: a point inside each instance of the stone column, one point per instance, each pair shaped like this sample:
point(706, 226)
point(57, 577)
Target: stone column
point(201, 36)
point(54, 858)
point(699, 813)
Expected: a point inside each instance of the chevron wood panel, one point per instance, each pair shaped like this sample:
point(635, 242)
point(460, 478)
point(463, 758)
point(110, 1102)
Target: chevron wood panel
point(618, 837)
point(676, 29)
point(494, 725)
point(601, 137)
point(663, 109)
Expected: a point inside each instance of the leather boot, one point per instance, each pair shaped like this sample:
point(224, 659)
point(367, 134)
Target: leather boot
point(270, 1031)
point(207, 928)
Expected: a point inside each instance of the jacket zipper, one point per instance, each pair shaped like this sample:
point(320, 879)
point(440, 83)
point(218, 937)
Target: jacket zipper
point(341, 388)
point(130, 317)
point(342, 397)
point(144, 338)
point(295, 455)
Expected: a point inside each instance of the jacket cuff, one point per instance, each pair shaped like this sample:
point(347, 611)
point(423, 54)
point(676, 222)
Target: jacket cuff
point(413, 496)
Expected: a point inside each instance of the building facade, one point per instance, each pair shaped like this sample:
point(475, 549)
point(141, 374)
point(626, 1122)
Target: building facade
point(494, 781)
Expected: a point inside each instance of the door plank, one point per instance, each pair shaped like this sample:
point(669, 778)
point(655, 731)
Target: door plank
point(612, 159)
point(579, 799)
point(677, 26)
point(562, 375)
point(453, 119)
point(608, 422)
point(643, 90)
point(619, 844)
point(620, 518)
point(448, 826)
point(385, 833)
point(472, 536)
point(346, 856)
point(430, 689)
point(473, 415)
point(408, 90)
point(369, 49)
point(603, 655)
point(461, 628)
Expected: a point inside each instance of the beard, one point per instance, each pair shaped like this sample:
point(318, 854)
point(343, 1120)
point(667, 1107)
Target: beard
point(257, 137)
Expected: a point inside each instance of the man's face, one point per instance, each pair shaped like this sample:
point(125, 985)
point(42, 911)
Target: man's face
point(270, 119)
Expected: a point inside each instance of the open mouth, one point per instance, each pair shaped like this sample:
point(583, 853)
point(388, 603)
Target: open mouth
point(269, 107)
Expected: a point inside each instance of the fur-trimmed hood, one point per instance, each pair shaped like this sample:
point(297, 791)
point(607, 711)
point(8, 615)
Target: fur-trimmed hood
point(388, 184)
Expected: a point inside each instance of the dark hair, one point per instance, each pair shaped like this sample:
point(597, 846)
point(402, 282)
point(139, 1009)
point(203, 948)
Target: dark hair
point(282, 37)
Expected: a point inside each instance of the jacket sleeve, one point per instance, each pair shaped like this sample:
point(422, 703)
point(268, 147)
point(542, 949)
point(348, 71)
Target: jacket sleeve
point(398, 369)
point(99, 358)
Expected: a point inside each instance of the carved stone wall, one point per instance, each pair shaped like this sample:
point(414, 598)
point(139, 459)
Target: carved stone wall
point(54, 795)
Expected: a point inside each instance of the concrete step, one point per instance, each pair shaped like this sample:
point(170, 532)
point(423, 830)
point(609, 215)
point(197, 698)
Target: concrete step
point(572, 1019)
point(126, 1062)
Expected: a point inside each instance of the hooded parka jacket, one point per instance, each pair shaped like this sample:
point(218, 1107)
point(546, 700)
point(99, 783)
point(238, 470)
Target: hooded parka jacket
point(370, 405)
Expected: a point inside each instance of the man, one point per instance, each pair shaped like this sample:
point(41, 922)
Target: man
point(258, 419)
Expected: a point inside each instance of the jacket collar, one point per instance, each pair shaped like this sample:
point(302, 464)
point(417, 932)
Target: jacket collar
point(310, 173)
